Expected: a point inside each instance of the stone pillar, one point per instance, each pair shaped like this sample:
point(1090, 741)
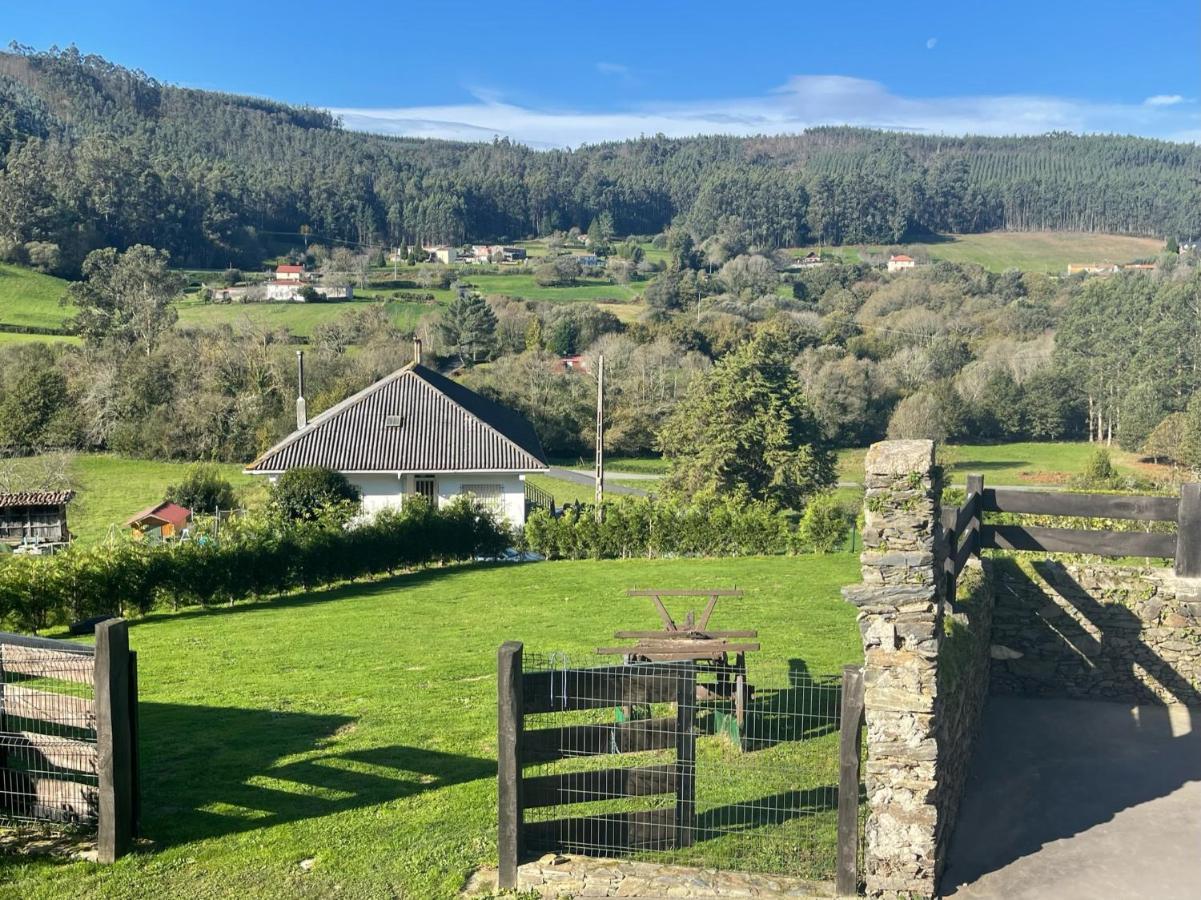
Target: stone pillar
point(900, 621)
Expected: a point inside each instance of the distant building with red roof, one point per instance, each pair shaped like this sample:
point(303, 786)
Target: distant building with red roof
point(899, 262)
point(160, 522)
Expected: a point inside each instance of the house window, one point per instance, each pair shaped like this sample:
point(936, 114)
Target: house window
point(423, 486)
point(490, 496)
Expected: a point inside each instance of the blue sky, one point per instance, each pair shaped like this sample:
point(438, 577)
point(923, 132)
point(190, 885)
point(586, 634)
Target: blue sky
point(566, 73)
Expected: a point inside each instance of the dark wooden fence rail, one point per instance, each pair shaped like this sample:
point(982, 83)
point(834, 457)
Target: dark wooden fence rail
point(966, 534)
point(521, 693)
point(53, 733)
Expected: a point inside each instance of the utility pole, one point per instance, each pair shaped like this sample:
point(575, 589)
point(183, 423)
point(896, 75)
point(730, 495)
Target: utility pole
point(600, 434)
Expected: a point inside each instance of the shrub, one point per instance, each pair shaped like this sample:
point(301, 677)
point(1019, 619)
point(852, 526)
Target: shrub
point(310, 493)
point(824, 526)
point(203, 489)
point(659, 528)
point(1099, 472)
point(255, 557)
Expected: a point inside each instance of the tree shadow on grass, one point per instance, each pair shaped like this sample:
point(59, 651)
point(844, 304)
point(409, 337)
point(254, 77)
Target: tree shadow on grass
point(213, 771)
point(963, 466)
point(310, 597)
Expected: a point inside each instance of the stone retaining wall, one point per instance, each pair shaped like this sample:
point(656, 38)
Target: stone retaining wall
point(1096, 631)
point(921, 709)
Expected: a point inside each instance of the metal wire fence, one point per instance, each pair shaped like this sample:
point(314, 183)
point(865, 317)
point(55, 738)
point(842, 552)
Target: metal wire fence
point(48, 742)
point(661, 757)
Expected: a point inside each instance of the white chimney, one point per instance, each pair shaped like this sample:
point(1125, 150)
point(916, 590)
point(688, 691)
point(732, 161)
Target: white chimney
point(302, 418)
point(416, 351)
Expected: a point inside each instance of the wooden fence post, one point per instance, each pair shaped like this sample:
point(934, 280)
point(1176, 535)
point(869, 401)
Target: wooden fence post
point(685, 817)
point(135, 749)
point(849, 744)
point(975, 485)
point(114, 747)
point(950, 515)
point(509, 702)
point(1188, 532)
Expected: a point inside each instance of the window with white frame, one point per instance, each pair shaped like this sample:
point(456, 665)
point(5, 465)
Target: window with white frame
point(490, 496)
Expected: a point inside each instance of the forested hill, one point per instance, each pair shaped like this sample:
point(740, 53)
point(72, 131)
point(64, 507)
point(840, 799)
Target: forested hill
point(95, 155)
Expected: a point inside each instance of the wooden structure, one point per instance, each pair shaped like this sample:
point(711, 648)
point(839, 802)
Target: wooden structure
point(521, 693)
point(66, 758)
point(967, 535)
point(716, 652)
point(35, 518)
point(161, 522)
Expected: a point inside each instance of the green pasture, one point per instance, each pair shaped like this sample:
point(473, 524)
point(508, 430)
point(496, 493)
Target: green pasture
point(343, 742)
point(30, 298)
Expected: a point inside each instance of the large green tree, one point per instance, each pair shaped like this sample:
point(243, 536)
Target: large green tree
point(468, 325)
point(745, 429)
point(126, 297)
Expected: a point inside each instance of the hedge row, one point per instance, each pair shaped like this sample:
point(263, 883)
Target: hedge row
point(655, 528)
point(253, 559)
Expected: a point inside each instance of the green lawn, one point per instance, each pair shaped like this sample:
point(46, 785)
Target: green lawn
point(355, 727)
point(299, 318)
point(13, 337)
point(30, 298)
point(523, 285)
point(1019, 463)
point(1038, 251)
point(109, 489)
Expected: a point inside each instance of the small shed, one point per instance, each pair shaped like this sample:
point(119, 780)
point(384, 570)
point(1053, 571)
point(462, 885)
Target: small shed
point(35, 518)
point(161, 522)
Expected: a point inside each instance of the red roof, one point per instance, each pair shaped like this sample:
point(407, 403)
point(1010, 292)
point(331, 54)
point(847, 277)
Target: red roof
point(901, 257)
point(163, 513)
point(289, 268)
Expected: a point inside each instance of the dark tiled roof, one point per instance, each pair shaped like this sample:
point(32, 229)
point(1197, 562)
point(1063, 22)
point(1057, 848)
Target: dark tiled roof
point(35, 498)
point(443, 427)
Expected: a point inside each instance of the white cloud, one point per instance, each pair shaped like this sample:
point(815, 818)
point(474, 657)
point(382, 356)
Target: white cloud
point(802, 102)
point(1163, 100)
point(931, 43)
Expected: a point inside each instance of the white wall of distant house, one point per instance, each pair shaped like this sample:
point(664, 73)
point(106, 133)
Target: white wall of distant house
point(389, 491)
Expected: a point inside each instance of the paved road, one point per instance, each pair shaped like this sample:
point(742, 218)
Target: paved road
point(587, 478)
point(1080, 800)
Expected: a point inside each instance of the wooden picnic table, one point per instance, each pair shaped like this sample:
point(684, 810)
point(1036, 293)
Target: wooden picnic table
point(721, 653)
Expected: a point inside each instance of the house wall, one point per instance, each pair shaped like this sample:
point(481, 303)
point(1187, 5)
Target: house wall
point(389, 491)
point(512, 485)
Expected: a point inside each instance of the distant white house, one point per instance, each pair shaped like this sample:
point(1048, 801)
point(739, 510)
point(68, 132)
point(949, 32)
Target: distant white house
point(899, 262)
point(416, 433)
point(588, 260)
point(448, 256)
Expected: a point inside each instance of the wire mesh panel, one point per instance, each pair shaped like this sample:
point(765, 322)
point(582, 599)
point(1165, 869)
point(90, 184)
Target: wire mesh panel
point(678, 760)
point(48, 747)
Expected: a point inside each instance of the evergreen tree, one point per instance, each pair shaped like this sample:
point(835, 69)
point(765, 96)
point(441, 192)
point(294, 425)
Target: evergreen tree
point(468, 325)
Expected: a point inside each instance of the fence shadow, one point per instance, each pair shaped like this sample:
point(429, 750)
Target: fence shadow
point(212, 771)
point(1051, 767)
point(761, 812)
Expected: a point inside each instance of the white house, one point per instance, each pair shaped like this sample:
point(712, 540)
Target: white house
point(900, 262)
point(289, 273)
point(417, 433)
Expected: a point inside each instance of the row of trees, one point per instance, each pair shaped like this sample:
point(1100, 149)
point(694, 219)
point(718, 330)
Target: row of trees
point(93, 155)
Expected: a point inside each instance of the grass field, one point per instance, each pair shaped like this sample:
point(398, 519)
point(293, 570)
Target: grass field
point(14, 337)
point(299, 318)
point(1038, 251)
point(109, 489)
point(1020, 463)
point(355, 727)
point(30, 298)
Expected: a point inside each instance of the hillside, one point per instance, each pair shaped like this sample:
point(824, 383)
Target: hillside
point(96, 155)
point(29, 299)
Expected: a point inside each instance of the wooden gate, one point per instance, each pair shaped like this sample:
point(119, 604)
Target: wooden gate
point(68, 734)
point(565, 690)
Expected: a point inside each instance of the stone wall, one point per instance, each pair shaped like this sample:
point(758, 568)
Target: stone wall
point(921, 712)
point(1096, 631)
point(963, 685)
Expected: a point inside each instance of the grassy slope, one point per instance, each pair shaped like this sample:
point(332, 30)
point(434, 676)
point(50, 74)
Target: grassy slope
point(1020, 463)
point(30, 298)
point(1042, 251)
point(325, 727)
point(109, 489)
